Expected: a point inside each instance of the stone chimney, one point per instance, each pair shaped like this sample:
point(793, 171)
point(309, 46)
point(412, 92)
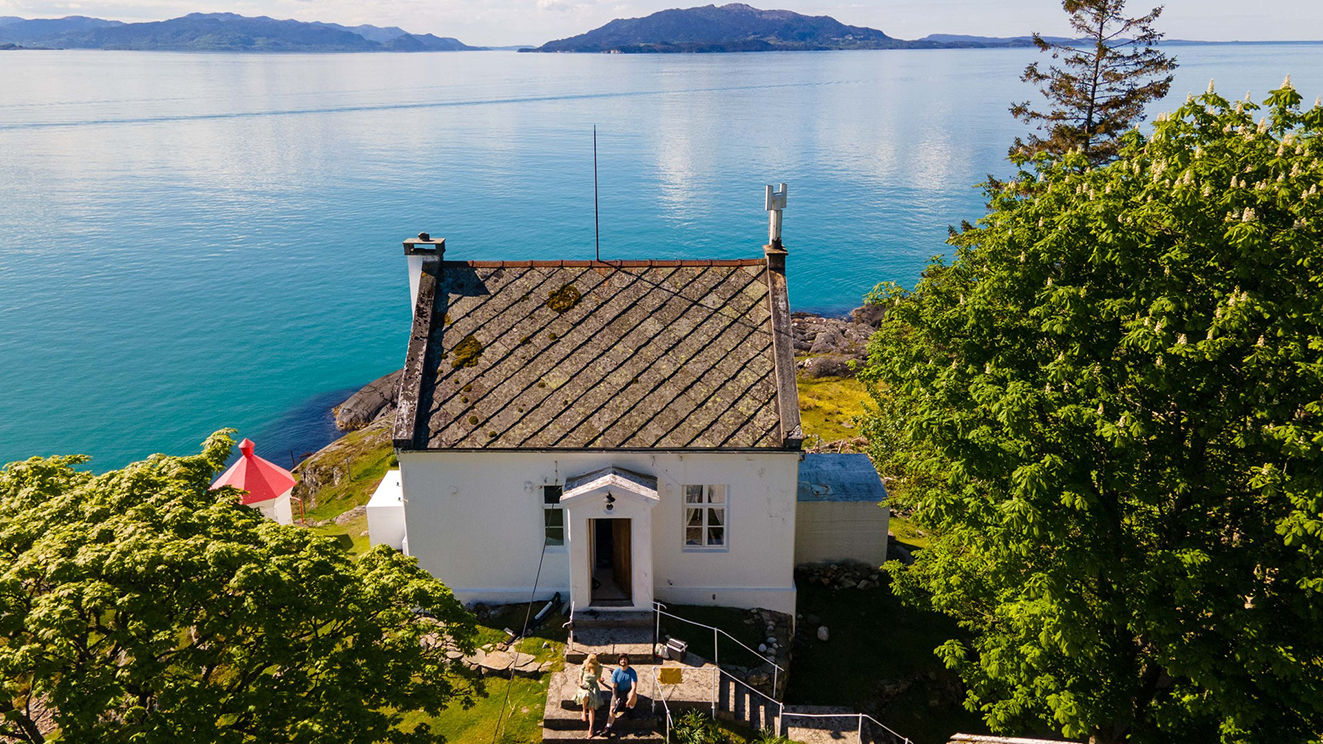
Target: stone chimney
point(418, 251)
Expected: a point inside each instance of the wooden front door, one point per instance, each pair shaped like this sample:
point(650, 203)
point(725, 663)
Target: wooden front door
point(620, 555)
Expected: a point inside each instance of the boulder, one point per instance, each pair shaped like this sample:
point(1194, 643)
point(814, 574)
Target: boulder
point(350, 515)
point(828, 340)
point(869, 315)
point(375, 399)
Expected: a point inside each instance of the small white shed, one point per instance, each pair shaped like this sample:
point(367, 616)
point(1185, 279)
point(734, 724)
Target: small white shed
point(385, 514)
point(841, 514)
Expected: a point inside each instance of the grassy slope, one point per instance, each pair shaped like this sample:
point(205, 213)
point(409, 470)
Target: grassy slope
point(829, 408)
point(362, 458)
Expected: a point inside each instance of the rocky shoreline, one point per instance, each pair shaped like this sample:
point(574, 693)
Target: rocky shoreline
point(825, 346)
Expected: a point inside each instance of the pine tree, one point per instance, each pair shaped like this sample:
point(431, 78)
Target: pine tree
point(1099, 90)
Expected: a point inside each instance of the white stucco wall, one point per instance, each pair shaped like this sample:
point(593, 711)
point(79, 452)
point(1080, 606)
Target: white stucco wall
point(277, 509)
point(841, 531)
point(385, 513)
point(474, 520)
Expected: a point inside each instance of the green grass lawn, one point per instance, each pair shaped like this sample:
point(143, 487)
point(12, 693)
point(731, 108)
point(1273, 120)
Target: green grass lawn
point(351, 536)
point(521, 722)
point(522, 719)
point(874, 640)
point(363, 457)
point(830, 408)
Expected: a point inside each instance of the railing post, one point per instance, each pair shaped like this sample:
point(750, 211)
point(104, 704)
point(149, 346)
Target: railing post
point(656, 634)
point(716, 648)
point(860, 733)
point(776, 679)
point(716, 680)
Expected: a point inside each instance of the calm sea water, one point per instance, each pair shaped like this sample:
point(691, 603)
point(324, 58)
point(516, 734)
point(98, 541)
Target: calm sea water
point(195, 241)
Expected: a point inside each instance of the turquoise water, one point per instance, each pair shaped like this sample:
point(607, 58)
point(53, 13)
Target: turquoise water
point(193, 241)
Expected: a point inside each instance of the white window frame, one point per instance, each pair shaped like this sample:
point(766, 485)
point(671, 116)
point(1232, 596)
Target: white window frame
point(716, 497)
point(553, 507)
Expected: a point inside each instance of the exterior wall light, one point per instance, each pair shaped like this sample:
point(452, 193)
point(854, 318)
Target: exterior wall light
point(610, 501)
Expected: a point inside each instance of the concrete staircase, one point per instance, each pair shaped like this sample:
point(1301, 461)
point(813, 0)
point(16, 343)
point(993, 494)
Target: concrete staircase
point(607, 634)
point(744, 705)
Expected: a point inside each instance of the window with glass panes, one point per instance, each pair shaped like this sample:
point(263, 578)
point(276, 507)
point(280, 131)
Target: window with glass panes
point(553, 516)
point(705, 516)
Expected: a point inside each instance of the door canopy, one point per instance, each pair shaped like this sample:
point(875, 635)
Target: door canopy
point(609, 485)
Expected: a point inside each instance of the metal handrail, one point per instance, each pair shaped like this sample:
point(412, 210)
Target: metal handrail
point(782, 713)
point(859, 716)
point(716, 648)
point(666, 708)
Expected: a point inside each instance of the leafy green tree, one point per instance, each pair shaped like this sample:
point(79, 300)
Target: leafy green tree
point(1111, 419)
point(141, 606)
point(1105, 79)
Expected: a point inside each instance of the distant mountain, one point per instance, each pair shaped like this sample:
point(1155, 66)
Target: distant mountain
point(371, 33)
point(21, 29)
point(742, 28)
point(728, 28)
point(959, 40)
point(425, 43)
point(221, 32)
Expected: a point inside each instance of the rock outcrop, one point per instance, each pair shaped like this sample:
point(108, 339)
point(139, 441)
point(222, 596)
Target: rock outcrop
point(376, 399)
point(832, 344)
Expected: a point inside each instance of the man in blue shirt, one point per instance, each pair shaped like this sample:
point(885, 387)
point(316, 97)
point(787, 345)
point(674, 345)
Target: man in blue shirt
point(624, 687)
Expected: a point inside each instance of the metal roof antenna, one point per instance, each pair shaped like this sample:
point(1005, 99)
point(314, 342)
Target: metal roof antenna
point(597, 229)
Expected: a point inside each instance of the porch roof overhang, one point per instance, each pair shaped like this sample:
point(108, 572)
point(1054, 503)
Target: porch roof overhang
point(618, 482)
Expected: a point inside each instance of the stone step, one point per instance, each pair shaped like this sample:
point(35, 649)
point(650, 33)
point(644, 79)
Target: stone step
point(642, 720)
point(633, 737)
point(609, 643)
point(618, 619)
point(562, 713)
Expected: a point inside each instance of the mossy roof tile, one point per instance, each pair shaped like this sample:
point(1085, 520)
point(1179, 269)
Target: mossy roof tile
point(650, 355)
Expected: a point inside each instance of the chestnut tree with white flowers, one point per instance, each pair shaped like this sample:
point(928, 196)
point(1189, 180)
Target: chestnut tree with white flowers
point(1108, 409)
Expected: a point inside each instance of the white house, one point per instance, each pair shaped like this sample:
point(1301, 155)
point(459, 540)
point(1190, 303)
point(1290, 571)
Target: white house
point(266, 486)
point(617, 431)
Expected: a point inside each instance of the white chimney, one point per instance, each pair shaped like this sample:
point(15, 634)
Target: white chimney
point(418, 251)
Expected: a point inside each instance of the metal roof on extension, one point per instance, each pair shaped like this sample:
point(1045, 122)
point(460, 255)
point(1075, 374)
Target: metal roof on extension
point(844, 477)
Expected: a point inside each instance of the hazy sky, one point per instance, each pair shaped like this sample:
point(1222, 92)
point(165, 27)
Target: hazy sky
point(535, 21)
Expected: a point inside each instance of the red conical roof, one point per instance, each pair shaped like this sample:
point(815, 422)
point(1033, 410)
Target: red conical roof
point(262, 480)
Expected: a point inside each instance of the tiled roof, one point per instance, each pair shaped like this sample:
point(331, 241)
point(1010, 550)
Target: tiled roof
point(598, 355)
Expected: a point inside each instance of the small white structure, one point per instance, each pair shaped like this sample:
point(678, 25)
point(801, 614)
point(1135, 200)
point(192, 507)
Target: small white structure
point(620, 432)
point(266, 486)
point(840, 516)
point(385, 514)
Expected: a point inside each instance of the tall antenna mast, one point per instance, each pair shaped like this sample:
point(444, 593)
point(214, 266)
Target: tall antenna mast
point(597, 229)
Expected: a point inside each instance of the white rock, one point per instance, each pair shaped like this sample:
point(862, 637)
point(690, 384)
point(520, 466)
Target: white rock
point(822, 633)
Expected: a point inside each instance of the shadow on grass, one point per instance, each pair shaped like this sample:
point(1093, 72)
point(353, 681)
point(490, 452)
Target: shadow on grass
point(879, 659)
